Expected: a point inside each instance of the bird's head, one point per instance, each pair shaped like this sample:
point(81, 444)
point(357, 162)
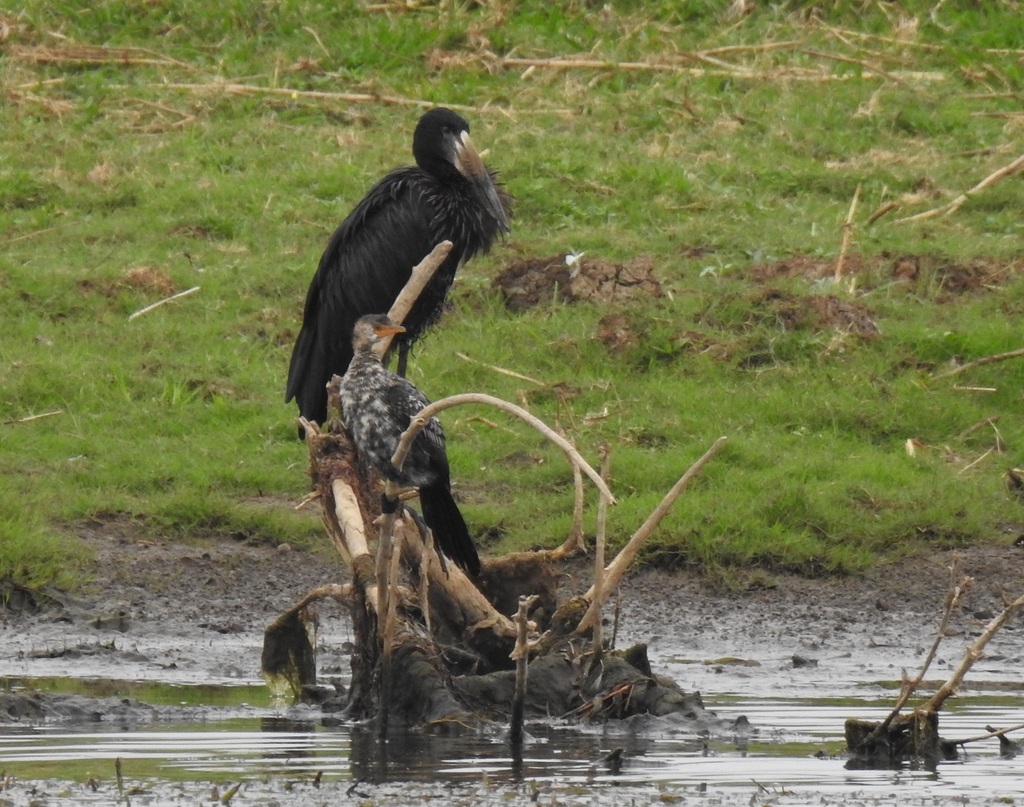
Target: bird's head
point(371, 330)
point(442, 146)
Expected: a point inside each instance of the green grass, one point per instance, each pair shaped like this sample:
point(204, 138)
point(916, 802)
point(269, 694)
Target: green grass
point(128, 175)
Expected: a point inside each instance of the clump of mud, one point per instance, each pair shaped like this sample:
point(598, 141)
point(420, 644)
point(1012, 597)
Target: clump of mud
point(815, 311)
point(531, 281)
point(934, 272)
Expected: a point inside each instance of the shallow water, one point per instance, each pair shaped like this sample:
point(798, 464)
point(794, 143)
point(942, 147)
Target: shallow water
point(794, 750)
point(216, 724)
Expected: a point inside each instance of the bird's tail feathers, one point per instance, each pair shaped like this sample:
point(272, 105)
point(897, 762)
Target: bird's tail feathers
point(449, 527)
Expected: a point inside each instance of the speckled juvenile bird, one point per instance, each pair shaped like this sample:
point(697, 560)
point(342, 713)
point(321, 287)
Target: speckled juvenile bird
point(378, 406)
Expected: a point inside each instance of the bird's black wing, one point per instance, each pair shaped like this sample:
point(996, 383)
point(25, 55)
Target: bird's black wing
point(427, 462)
point(364, 267)
point(426, 466)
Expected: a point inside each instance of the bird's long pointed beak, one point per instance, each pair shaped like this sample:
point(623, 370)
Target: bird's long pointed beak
point(388, 330)
point(471, 166)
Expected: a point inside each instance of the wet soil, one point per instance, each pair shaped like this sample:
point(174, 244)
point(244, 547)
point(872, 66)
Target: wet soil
point(195, 612)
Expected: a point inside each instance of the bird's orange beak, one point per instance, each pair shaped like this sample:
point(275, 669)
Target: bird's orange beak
point(388, 330)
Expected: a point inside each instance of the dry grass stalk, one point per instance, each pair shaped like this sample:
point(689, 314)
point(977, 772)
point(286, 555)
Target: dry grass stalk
point(859, 62)
point(27, 236)
point(1012, 354)
point(847, 235)
point(91, 55)
point(884, 210)
point(991, 420)
point(560, 63)
point(235, 88)
point(502, 370)
point(55, 107)
point(956, 204)
point(30, 418)
point(159, 303)
point(763, 47)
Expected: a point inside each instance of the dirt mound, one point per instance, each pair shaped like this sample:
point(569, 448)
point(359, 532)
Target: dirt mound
point(936, 271)
point(528, 282)
point(815, 311)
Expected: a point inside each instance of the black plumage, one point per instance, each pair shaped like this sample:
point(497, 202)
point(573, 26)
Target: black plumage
point(449, 195)
point(378, 406)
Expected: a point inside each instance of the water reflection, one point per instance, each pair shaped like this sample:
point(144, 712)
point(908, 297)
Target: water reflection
point(788, 743)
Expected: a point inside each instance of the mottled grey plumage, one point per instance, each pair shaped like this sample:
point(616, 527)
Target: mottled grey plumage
point(378, 406)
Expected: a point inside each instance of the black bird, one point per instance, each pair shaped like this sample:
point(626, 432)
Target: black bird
point(449, 195)
point(378, 406)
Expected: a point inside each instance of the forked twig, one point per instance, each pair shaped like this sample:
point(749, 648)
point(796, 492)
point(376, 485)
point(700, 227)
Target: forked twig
point(521, 655)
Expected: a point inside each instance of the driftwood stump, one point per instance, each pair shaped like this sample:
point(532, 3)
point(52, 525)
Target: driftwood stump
point(434, 648)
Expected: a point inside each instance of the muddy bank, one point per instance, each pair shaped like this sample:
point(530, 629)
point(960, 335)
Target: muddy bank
point(195, 613)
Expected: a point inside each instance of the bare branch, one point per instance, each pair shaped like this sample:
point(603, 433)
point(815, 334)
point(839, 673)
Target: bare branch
point(617, 568)
point(421, 420)
point(418, 280)
point(974, 652)
point(602, 529)
point(956, 592)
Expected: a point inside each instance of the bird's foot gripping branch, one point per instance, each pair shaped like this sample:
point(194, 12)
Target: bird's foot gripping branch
point(436, 645)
